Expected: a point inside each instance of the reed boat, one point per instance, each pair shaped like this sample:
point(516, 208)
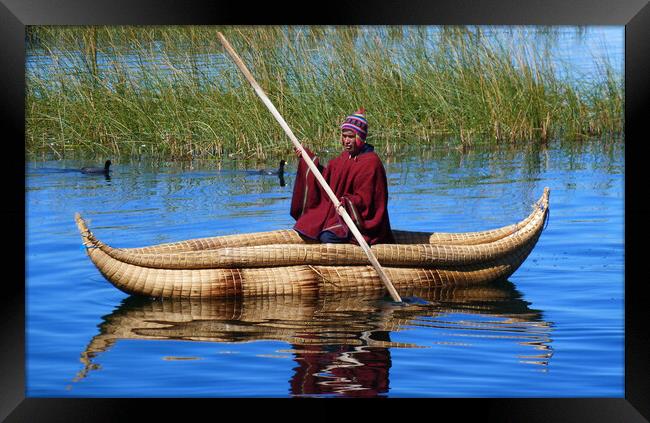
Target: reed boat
point(284, 263)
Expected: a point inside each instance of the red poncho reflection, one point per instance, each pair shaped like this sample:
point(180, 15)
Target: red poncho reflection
point(344, 370)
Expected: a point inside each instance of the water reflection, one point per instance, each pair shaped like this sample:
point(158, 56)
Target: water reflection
point(341, 345)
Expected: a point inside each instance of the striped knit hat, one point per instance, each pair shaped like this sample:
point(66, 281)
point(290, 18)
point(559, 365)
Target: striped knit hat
point(358, 123)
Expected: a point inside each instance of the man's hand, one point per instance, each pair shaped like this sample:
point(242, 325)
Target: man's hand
point(340, 206)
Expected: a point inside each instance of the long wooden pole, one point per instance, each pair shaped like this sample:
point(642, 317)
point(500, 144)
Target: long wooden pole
point(337, 204)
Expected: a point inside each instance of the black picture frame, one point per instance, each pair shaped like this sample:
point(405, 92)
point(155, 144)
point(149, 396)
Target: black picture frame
point(15, 15)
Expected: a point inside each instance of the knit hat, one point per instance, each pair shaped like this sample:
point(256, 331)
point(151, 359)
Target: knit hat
point(358, 123)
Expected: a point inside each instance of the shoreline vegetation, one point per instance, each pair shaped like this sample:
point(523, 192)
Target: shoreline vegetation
point(170, 92)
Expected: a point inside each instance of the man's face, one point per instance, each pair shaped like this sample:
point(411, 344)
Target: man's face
point(349, 141)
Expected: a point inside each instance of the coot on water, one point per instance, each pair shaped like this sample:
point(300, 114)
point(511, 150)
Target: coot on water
point(280, 170)
point(103, 170)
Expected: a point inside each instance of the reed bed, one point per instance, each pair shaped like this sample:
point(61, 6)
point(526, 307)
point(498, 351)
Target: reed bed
point(171, 92)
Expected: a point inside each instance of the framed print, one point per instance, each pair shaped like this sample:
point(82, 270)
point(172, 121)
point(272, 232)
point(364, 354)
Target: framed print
point(147, 147)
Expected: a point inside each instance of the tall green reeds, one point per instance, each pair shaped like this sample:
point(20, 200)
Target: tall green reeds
point(171, 92)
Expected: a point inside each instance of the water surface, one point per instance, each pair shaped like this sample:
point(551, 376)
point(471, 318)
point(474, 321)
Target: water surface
point(555, 329)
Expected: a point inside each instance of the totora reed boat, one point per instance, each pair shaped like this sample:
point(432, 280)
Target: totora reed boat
point(283, 263)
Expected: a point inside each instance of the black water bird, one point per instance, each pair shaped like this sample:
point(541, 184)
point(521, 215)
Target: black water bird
point(97, 170)
point(279, 173)
point(280, 170)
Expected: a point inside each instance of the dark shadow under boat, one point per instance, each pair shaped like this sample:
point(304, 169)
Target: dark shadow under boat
point(335, 339)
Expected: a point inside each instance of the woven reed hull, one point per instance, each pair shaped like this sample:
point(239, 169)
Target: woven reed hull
point(274, 255)
point(245, 277)
point(291, 237)
point(292, 280)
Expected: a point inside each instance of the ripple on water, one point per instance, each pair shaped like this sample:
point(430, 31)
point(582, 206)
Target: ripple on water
point(556, 331)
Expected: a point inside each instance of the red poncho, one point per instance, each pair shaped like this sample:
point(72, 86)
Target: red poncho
point(359, 182)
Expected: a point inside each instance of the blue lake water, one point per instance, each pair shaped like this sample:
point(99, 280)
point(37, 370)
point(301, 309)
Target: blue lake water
point(555, 329)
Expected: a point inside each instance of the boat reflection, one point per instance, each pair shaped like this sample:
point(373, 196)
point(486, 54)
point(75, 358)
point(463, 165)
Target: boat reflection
point(341, 344)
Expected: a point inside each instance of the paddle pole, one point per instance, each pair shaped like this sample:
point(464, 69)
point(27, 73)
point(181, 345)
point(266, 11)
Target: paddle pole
point(337, 204)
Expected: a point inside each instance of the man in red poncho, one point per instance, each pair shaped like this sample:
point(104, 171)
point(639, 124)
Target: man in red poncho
point(357, 178)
